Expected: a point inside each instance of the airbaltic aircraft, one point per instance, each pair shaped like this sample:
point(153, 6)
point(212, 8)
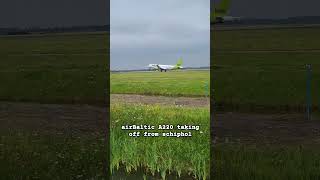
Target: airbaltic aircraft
point(220, 11)
point(162, 67)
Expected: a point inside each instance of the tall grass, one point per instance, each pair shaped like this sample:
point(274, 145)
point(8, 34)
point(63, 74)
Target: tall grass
point(164, 155)
point(26, 155)
point(243, 162)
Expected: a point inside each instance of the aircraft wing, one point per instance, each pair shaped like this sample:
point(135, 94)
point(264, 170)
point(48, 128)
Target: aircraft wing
point(153, 66)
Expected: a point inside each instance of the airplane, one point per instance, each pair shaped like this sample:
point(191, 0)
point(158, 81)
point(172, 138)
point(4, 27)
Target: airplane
point(162, 67)
point(220, 11)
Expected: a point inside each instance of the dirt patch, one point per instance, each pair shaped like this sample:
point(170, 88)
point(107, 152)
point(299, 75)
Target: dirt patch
point(160, 100)
point(266, 129)
point(52, 118)
point(226, 127)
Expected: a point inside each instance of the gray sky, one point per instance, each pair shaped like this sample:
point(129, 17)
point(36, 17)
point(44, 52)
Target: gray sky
point(274, 8)
point(150, 31)
point(44, 13)
point(95, 12)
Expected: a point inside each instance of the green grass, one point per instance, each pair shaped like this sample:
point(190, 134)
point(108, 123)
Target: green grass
point(160, 154)
point(55, 68)
point(173, 83)
point(276, 163)
point(289, 38)
point(265, 82)
point(26, 155)
point(268, 80)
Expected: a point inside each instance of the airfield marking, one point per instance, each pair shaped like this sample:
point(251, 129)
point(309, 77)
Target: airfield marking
point(161, 100)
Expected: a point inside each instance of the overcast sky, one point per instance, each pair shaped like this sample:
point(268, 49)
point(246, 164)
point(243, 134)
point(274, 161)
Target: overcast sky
point(150, 31)
point(44, 13)
point(95, 12)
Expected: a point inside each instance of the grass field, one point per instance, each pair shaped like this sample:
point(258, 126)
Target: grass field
point(160, 155)
point(265, 71)
point(265, 68)
point(54, 68)
point(243, 162)
point(59, 69)
point(173, 83)
point(262, 39)
point(26, 155)
point(70, 68)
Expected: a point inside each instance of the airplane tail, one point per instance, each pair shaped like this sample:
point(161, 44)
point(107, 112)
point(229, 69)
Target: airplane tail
point(179, 63)
point(221, 9)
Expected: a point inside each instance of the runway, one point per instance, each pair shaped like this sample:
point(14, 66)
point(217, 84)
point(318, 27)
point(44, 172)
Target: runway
point(231, 27)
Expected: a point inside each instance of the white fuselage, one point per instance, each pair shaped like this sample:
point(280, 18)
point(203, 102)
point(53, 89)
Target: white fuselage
point(163, 67)
point(166, 67)
point(231, 18)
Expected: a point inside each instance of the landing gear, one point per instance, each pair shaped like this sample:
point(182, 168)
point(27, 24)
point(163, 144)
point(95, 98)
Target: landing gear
point(219, 20)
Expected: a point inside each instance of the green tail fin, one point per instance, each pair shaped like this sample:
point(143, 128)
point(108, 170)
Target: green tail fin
point(179, 63)
point(222, 8)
